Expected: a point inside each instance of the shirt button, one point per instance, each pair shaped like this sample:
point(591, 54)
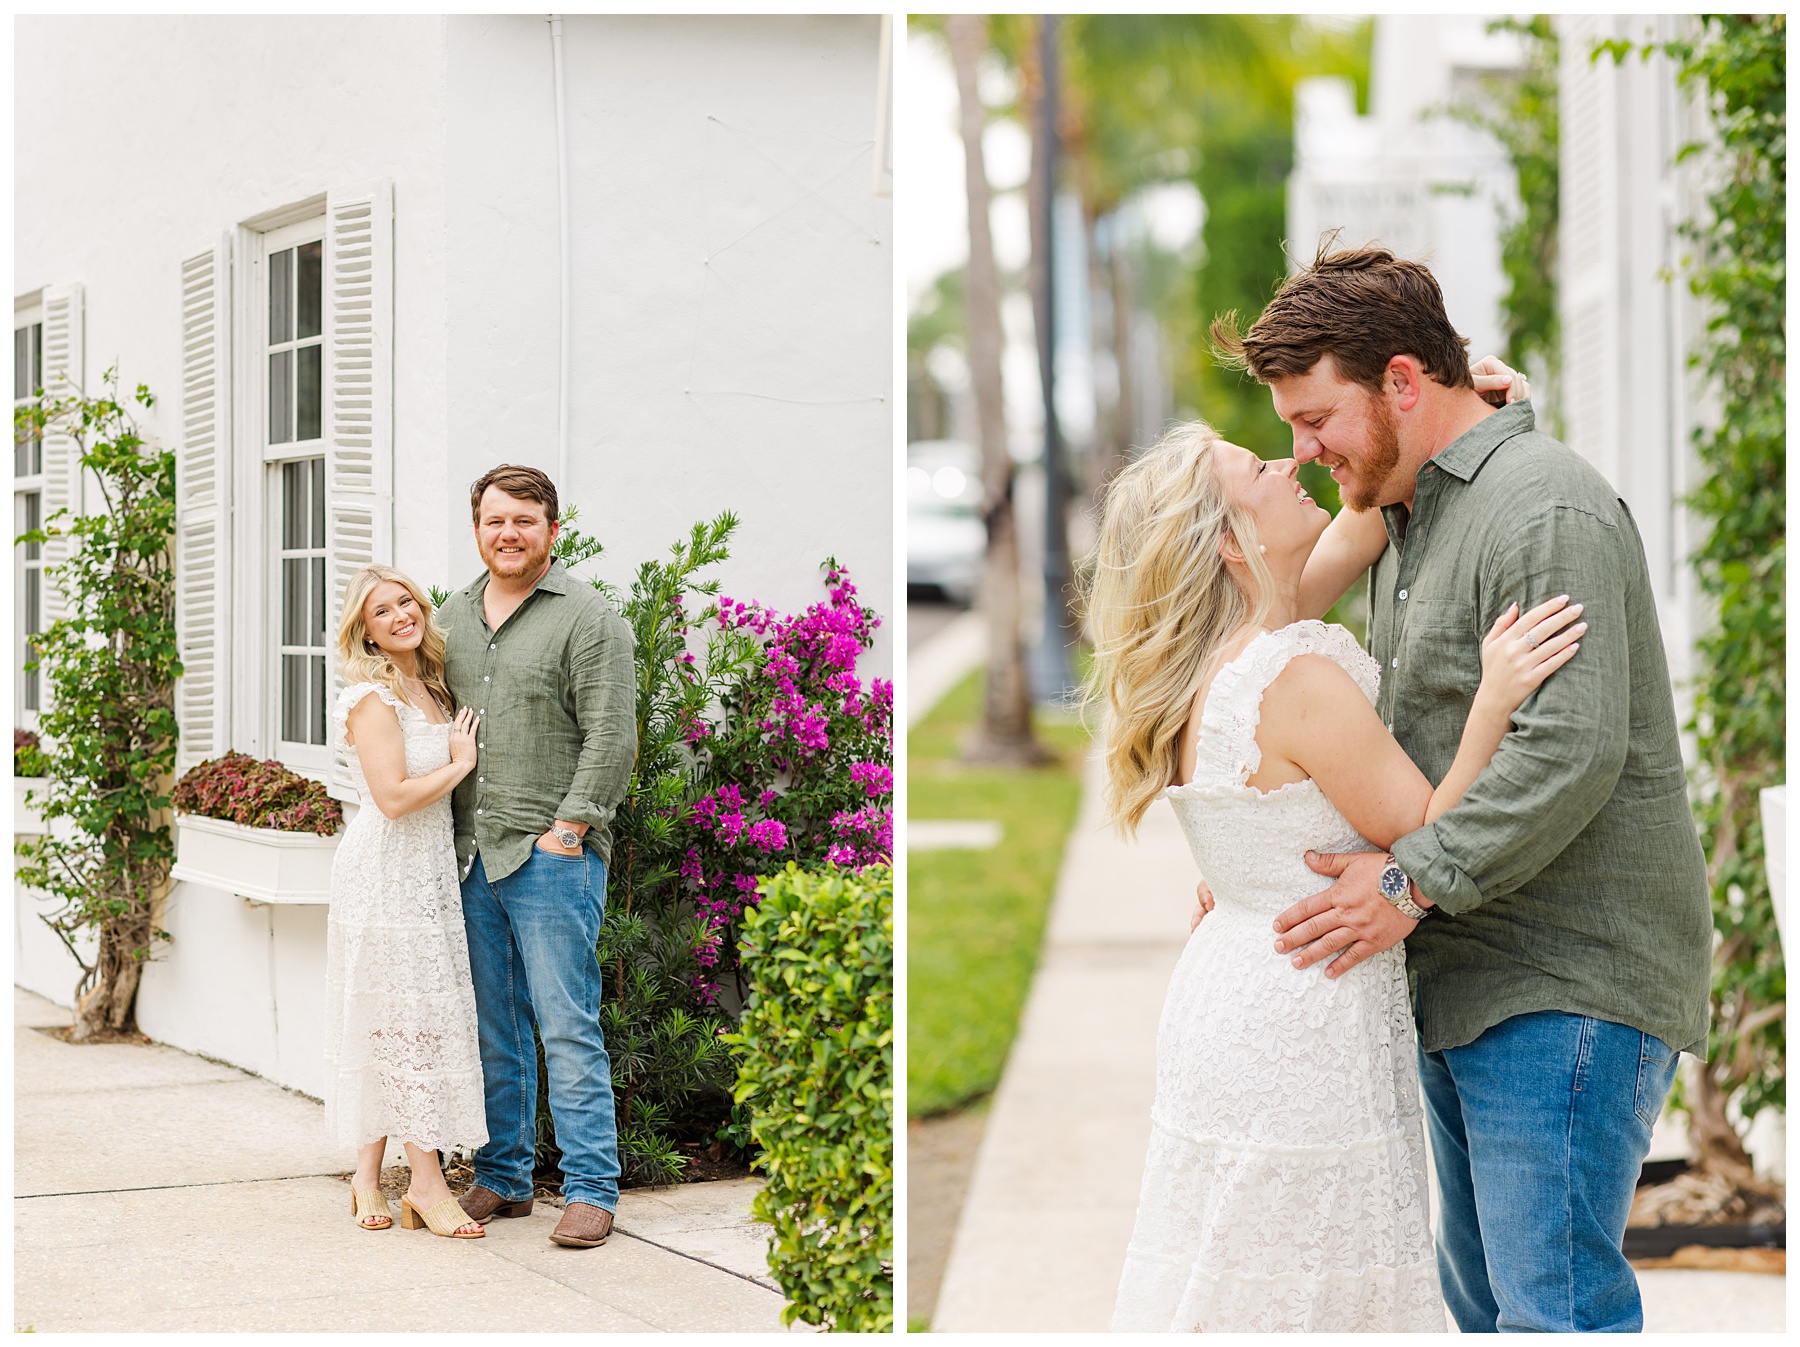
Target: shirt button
point(1396, 663)
point(481, 778)
point(484, 678)
point(478, 811)
point(493, 647)
point(1403, 593)
point(1390, 729)
point(480, 745)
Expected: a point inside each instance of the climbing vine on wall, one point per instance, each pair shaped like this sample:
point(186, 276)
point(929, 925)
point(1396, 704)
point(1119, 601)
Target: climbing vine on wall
point(1738, 269)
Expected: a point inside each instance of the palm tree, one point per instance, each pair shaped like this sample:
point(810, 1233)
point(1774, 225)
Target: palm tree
point(1005, 733)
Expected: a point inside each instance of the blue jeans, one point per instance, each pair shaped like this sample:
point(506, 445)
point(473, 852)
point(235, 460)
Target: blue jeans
point(1538, 1131)
point(531, 952)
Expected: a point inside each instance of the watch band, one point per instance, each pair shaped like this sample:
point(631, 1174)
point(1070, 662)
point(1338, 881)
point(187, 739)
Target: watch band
point(567, 836)
point(1396, 887)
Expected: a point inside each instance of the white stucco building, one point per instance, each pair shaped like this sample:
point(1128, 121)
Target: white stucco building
point(1428, 187)
point(333, 247)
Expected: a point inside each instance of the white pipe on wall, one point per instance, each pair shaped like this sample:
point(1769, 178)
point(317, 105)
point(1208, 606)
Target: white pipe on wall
point(562, 214)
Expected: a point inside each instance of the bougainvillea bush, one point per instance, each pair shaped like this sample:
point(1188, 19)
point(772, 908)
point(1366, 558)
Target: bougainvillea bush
point(240, 789)
point(758, 745)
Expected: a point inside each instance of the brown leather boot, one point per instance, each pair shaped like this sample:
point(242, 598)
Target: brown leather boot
point(583, 1226)
point(484, 1204)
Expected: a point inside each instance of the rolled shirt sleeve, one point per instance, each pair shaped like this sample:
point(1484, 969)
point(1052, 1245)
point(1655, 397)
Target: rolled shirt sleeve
point(1561, 762)
point(603, 687)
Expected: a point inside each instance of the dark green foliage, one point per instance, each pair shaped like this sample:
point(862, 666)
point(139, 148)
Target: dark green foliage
point(817, 1049)
point(112, 664)
point(761, 749)
point(1738, 63)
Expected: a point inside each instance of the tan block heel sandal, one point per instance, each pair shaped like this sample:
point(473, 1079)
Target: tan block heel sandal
point(443, 1219)
point(367, 1204)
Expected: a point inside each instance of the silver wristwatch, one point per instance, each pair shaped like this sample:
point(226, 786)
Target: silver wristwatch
point(1397, 889)
point(567, 836)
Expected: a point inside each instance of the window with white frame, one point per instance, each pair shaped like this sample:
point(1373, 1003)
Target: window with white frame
point(292, 397)
point(28, 513)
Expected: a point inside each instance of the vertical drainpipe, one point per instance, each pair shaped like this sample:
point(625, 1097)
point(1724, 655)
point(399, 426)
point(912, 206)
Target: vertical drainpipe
point(562, 220)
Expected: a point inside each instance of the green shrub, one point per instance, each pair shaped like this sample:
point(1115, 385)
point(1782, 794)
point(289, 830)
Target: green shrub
point(817, 1072)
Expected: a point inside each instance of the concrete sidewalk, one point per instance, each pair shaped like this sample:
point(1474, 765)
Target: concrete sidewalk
point(1041, 1240)
point(156, 1191)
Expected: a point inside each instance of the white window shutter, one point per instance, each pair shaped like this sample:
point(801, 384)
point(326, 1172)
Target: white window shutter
point(64, 375)
point(359, 410)
point(202, 505)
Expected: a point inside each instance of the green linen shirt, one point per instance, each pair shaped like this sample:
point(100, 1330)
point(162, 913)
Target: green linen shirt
point(1570, 875)
point(555, 688)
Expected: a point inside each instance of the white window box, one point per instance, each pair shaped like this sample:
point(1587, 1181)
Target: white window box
point(263, 865)
point(26, 820)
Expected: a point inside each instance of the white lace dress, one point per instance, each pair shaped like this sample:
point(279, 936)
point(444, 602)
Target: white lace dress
point(1285, 1183)
point(401, 1055)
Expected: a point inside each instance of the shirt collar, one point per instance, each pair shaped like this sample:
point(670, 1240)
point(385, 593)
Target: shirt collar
point(1462, 457)
point(555, 580)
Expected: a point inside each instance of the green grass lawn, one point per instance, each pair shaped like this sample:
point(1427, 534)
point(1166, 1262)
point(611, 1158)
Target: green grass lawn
point(975, 919)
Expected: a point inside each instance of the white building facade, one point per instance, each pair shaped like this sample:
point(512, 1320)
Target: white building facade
point(334, 247)
point(1426, 186)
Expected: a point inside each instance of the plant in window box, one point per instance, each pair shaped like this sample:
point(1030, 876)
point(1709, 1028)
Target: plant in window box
point(30, 765)
point(256, 829)
point(111, 663)
point(29, 758)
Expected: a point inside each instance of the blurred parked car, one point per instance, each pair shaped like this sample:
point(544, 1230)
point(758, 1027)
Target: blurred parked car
point(946, 542)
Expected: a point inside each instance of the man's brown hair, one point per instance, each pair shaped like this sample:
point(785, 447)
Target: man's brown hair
point(1363, 307)
point(521, 483)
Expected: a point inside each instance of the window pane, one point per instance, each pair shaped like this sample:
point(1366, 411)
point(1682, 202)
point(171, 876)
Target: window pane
point(34, 518)
point(294, 480)
point(318, 700)
point(34, 602)
point(293, 697)
point(37, 354)
point(281, 397)
point(21, 362)
point(281, 296)
point(318, 502)
point(293, 601)
point(310, 359)
point(318, 602)
point(310, 289)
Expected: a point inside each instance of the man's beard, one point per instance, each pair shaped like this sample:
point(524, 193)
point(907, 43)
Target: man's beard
point(529, 561)
point(1379, 463)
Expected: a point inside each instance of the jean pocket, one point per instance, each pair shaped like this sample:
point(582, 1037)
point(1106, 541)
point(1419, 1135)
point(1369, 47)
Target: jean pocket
point(1656, 1073)
point(542, 850)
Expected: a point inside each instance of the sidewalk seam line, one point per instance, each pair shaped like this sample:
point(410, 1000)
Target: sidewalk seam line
point(170, 1187)
point(730, 1272)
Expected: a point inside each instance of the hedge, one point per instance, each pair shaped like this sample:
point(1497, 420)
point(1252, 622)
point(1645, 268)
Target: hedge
point(817, 1051)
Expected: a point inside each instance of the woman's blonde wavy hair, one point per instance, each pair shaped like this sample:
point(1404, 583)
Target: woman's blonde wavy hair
point(1160, 604)
point(360, 660)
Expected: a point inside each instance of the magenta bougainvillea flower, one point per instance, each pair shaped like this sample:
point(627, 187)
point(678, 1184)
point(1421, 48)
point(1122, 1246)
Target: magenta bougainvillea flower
point(797, 763)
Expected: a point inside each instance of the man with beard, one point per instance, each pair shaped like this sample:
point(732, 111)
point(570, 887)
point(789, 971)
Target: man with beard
point(1557, 925)
point(546, 664)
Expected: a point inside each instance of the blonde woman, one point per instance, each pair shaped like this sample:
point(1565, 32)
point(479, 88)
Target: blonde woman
point(1285, 1182)
point(401, 1052)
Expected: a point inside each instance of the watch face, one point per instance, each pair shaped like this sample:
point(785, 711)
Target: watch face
point(1393, 881)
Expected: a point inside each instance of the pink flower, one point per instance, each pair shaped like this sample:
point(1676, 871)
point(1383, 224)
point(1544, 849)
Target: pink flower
point(769, 835)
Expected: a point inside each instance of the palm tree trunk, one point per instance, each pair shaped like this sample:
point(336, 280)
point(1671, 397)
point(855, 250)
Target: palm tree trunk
point(1005, 733)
